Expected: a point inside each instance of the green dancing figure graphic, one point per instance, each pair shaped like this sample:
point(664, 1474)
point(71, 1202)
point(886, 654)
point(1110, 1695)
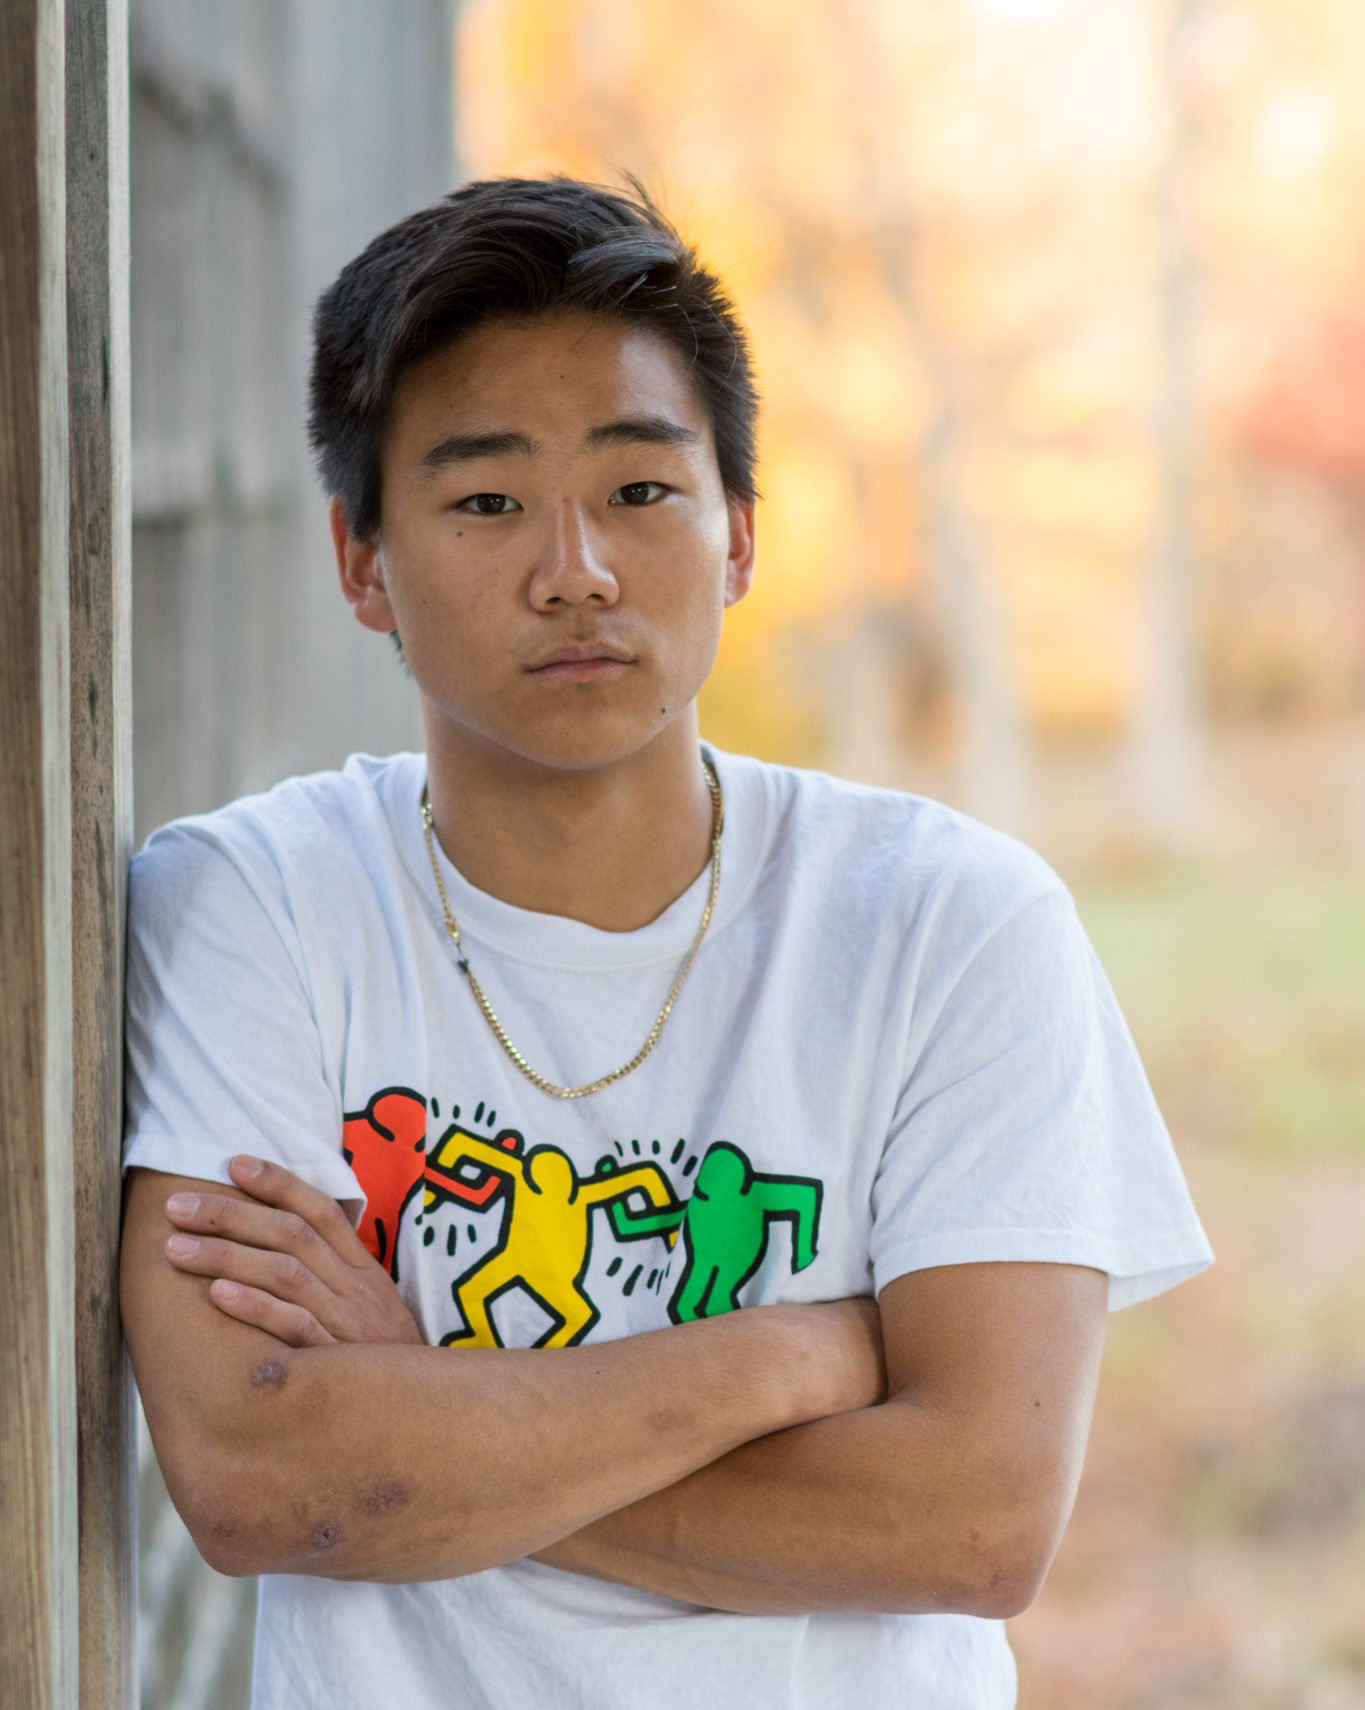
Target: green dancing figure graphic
point(725, 1230)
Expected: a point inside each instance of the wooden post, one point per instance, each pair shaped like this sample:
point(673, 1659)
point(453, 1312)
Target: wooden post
point(63, 586)
point(38, 1642)
point(101, 821)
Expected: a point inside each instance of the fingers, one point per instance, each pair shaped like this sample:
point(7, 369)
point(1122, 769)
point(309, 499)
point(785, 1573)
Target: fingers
point(250, 1224)
point(273, 1185)
point(283, 1277)
point(291, 1324)
point(292, 1245)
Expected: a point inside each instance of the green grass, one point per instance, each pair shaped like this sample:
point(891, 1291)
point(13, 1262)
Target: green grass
point(1246, 994)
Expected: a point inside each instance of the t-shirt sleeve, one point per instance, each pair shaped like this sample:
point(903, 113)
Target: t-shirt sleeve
point(1026, 1130)
point(224, 1053)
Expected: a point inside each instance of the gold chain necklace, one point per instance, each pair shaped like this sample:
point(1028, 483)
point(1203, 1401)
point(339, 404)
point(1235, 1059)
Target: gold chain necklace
point(500, 1032)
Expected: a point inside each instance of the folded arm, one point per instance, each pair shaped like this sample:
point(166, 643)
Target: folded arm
point(302, 1452)
point(950, 1497)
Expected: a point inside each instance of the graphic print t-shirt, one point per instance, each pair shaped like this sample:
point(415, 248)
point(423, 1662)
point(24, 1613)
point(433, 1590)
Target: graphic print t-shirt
point(895, 1050)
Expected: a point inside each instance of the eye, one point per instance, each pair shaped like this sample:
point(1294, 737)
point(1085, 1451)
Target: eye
point(489, 504)
point(639, 493)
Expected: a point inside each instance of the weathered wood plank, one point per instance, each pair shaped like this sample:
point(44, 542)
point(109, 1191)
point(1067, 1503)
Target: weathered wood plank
point(101, 829)
point(38, 1643)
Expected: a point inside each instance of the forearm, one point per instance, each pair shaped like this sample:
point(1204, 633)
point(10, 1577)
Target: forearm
point(866, 1511)
point(400, 1464)
point(950, 1497)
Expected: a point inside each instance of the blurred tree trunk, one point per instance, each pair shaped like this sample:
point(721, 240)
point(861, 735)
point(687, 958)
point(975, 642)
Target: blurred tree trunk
point(992, 743)
point(864, 739)
point(1166, 736)
point(992, 740)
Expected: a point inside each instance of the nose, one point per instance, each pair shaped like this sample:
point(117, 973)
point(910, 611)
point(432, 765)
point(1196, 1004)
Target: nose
point(571, 569)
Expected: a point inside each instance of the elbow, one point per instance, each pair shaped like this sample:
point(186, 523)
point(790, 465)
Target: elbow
point(1007, 1590)
point(240, 1533)
point(1002, 1577)
point(246, 1502)
point(981, 1568)
point(227, 1552)
point(255, 1513)
point(228, 1518)
point(251, 1499)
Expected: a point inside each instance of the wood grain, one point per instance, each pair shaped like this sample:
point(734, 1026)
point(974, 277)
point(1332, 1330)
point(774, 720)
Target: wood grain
point(101, 814)
point(38, 1648)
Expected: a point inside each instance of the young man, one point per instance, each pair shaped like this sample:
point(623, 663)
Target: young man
point(599, 1034)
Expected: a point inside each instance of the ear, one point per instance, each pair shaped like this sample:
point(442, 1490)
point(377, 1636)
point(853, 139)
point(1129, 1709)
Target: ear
point(362, 574)
point(739, 568)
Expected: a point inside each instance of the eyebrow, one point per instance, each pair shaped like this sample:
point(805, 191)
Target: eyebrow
point(642, 430)
point(627, 430)
point(465, 447)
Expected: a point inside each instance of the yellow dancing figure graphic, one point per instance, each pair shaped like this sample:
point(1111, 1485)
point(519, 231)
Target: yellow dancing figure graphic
point(546, 1239)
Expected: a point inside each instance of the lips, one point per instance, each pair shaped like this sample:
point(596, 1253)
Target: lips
point(579, 652)
point(582, 661)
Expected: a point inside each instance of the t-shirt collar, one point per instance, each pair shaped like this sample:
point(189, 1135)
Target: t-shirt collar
point(551, 940)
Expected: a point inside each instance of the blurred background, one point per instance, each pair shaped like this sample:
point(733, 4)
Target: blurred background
point(1058, 308)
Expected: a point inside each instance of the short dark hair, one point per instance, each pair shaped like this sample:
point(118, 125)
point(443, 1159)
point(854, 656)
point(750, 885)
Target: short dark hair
point(513, 249)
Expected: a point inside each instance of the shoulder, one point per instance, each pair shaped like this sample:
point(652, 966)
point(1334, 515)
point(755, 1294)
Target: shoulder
point(303, 830)
point(900, 857)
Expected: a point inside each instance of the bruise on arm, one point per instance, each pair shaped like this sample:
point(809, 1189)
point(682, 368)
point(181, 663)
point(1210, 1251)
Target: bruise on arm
point(215, 1391)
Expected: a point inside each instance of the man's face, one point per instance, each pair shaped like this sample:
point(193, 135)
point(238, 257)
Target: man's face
point(556, 548)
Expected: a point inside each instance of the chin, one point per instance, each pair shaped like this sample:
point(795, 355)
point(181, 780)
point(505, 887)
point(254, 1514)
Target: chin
point(560, 743)
point(579, 731)
point(595, 753)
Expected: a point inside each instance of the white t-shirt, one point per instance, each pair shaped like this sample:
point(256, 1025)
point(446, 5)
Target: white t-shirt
point(896, 1050)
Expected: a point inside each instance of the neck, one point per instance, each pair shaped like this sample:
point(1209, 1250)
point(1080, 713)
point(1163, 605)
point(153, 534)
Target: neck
point(612, 846)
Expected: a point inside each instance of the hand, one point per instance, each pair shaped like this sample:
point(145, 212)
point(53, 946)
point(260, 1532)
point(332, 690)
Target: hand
point(286, 1260)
